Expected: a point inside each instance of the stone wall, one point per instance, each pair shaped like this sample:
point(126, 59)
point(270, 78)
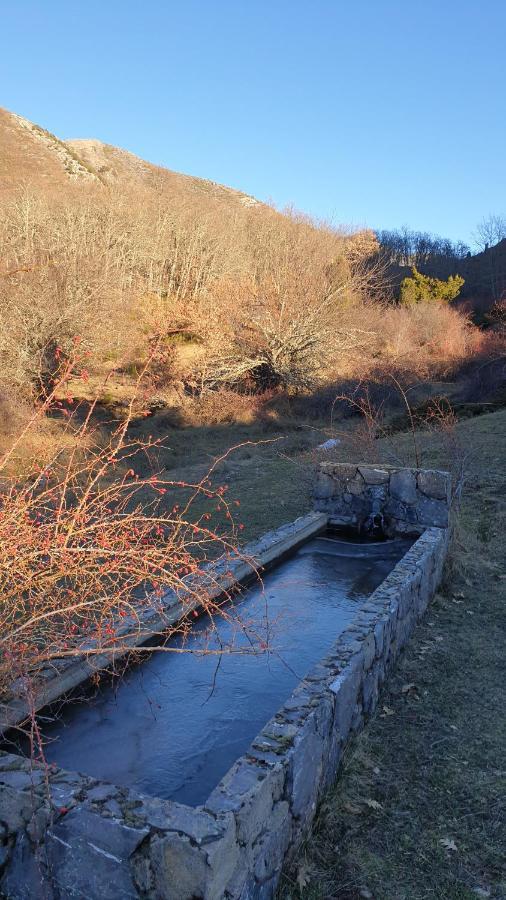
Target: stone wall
point(406, 500)
point(63, 835)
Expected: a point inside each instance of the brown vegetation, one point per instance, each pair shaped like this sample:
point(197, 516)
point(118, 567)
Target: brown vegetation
point(243, 302)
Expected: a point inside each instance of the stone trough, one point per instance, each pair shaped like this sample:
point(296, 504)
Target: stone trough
point(64, 834)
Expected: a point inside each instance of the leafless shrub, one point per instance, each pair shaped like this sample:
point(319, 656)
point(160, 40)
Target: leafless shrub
point(88, 547)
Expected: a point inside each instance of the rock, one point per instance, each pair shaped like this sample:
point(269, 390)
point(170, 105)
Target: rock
point(432, 512)
point(403, 486)
point(179, 870)
point(17, 808)
point(250, 799)
point(196, 824)
point(374, 476)
point(182, 871)
point(273, 843)
point(340, 470)
point(39, 822)
point(102, 792)
point(346, 688)
point(370, 690)
point(355, 485)
point(396, 509)
point(434, 484)
point(25, 877)
point(324, 487)
point(21, 779)
point(89, 856)
point(306, 762)
point(4, 855)
point(369, 647)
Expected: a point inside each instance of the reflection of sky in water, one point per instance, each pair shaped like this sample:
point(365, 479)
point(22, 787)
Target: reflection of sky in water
point(174, 725)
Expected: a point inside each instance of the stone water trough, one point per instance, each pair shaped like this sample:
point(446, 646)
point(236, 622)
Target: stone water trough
point(198, 783)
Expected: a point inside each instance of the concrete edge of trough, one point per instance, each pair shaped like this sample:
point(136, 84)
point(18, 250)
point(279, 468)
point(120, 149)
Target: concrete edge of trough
point(69, 835)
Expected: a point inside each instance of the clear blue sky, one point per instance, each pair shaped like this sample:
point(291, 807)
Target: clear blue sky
point(376, 112)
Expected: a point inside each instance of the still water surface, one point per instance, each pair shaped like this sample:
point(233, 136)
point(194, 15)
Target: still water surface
point(172, 726)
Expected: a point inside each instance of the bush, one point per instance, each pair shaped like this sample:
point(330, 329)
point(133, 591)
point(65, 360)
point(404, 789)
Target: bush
point(96, 547)
point(424, 289)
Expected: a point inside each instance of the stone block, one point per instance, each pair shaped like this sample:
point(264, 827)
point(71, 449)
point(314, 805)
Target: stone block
point(325, 486)
point(201, 827)
point(370, 690)
point(272, 844)
point(306, 758)
point(373, 475)
point(102, 792)
point(356, 485)
point(25, 877)
point(357, 720)
point(179, 870)
point(346, 689)
point(434, 484)
point(433, 513)
point(340, 470)
point(250, 793)
point(369, 648)
point(89, 856)
point(403, 486)
point(401, 511)
point(16, 808)
point(22, 779)
point(379, 637)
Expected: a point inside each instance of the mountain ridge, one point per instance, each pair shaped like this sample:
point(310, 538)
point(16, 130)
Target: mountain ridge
point(32, 155)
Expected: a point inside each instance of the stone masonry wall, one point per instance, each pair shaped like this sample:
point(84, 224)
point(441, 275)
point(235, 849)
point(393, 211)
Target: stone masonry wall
point(64, 835)
point(407, 500)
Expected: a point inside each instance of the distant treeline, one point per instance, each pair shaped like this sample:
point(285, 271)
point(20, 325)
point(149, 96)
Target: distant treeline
point(418, 248)
point(484, 273)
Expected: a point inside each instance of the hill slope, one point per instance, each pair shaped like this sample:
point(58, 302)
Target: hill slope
point(29, 155)
point(33, 157)
point(115, 166)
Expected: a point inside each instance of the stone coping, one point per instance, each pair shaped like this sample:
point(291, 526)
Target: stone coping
point(68, 835)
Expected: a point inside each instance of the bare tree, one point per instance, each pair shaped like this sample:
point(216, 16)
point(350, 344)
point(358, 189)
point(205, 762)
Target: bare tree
point(490, 231)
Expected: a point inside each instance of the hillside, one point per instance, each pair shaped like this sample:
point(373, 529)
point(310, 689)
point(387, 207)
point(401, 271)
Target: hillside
point(32, 157)
point(485, 275)
point(29, 155)
point(115, 166)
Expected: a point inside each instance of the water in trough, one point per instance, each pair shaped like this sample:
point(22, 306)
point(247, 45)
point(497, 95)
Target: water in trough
point(173, 725)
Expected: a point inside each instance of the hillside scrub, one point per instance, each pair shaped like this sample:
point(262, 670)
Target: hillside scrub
point(240, 299)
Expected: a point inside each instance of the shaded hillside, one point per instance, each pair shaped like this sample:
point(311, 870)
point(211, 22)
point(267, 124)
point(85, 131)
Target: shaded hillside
point(484, 273)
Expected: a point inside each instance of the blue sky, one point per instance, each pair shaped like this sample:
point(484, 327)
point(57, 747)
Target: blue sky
point(372, 112)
